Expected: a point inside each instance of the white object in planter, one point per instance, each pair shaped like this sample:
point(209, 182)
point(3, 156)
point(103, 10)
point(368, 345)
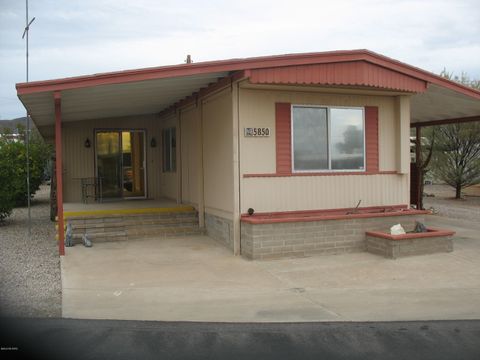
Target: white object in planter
point(397, 230)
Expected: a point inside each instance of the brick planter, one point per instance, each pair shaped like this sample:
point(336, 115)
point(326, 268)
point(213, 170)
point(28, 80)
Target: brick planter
point(410, 244)
point(300, 234)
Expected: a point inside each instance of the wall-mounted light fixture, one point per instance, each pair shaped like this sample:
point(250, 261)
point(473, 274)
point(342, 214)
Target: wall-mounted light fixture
point(153, 142)
point(87, 143)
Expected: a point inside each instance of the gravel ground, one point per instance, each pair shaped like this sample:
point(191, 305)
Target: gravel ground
point(444, 203)
point(30, 284)
point(471, 195)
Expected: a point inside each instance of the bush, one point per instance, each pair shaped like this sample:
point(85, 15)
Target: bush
point(13, 170)
point(7, 178)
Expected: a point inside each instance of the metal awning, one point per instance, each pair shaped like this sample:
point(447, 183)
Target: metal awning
point(115, 100)
point(440, 105)
point(151, 90)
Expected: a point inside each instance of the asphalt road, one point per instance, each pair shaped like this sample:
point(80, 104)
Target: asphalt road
point(100, 339)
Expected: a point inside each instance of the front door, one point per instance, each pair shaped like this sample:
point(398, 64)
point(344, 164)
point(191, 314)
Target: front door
point(121, 163)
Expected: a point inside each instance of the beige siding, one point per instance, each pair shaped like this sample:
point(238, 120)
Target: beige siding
point(190, 154)
point(257, 109)
point(323, 192)
point(79, 161)
point(218, 153)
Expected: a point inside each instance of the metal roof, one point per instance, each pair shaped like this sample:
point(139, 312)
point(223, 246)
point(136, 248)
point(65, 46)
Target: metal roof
point(152, 90)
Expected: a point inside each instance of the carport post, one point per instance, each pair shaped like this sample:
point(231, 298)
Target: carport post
point(201, 187)
point(58, 170)
point(418, 166)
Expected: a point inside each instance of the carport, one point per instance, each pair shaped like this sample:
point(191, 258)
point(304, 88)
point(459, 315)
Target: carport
point(441, 104)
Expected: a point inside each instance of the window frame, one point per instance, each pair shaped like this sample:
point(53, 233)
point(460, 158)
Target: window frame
point(329, 152)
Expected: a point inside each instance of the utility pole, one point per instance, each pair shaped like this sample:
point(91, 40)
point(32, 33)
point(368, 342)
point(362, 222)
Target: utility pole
point(27, 135)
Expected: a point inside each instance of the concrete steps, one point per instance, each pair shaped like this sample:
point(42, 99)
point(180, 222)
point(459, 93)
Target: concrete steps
point(120, 227)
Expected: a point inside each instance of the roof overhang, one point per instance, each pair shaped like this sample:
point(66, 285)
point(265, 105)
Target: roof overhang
point(152, 90)
point(443, 105)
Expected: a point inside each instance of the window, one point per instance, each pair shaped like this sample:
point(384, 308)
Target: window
point(327, 138)
point(169, 149)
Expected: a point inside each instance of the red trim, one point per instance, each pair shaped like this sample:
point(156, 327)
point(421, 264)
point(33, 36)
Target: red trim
point(338, 173)
point(58, 170)
point(330, 214)
point(242, 64)
point(446, 121)
point(409, 236)
point(371, 139)
point(283, 138)
point(358, 73)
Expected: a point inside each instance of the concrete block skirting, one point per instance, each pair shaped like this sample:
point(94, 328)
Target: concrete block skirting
point(396, 246)
point(307, 238)
point(219, 229)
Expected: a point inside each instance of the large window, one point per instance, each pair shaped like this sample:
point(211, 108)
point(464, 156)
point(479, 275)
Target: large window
point(327, 138)
point(169, 149)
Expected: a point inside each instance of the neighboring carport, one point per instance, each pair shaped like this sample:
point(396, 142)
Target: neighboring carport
point(443, 103)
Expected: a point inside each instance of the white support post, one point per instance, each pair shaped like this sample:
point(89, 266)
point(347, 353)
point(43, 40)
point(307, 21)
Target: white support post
point(402, 110)
point(179, 155)
point(201, 189)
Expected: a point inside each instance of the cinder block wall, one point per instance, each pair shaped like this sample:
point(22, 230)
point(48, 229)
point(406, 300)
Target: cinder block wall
point(409, 247)
point(219, 229)
point(299, 239)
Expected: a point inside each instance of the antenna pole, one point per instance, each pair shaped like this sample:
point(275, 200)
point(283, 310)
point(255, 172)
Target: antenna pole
point(27, 135)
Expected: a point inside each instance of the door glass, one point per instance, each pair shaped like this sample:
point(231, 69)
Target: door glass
point(133, 164)
point(108, 163)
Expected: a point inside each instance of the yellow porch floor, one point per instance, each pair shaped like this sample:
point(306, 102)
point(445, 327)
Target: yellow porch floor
point(135, 206)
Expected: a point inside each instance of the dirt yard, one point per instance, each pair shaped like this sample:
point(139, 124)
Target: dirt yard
point(30, 284)
point(443, 202)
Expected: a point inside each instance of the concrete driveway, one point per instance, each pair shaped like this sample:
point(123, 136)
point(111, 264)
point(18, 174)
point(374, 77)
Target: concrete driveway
point(196, 279)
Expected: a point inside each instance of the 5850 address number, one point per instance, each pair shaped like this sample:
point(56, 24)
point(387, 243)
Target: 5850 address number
point(257, 131)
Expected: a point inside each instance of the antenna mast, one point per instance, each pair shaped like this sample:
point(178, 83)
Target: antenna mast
point(27, 135)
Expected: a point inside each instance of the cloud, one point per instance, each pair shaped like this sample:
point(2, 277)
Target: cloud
point(80, 37)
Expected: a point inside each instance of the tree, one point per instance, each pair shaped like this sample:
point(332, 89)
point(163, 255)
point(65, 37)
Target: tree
point(456, 148)
point(7, 193)
point(13, 172)
point(457, 155)
point(427, 146)
point(463, 79)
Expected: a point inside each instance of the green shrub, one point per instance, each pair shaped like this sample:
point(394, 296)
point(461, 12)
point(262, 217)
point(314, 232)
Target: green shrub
point(13, 170)
point(7, 178)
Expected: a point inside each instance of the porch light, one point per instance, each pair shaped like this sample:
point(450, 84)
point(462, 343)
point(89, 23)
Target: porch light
point(87, 143)
point(153, 143)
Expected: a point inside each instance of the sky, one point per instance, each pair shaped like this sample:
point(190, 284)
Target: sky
point(80, 37)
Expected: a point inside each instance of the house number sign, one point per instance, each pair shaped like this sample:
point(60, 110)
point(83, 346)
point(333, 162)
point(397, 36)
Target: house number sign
point(257, 132)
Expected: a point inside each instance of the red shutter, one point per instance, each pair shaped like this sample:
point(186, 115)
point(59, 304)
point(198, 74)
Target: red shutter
point(371, 138)
point(283, 138)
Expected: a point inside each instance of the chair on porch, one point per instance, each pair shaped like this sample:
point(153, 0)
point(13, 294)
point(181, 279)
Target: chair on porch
point(91, 189)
